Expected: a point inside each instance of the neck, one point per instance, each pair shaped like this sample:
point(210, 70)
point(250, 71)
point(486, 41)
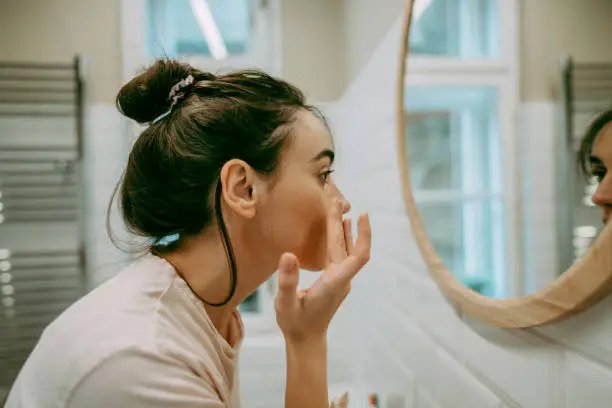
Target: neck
point(202, 262)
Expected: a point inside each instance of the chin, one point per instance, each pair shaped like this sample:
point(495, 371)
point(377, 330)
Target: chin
point(313, 262)
point(313, 256)
point(313, 266)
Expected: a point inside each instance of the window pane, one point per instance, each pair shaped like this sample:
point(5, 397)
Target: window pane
point(454, 157)
point(468, 237)
point(176, 28)
point(452, 138)
point(455, 28)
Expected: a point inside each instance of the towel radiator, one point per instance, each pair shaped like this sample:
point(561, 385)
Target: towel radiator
point(42, 237)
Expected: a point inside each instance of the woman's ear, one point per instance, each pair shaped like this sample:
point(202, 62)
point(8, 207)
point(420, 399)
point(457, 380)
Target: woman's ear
point(238, 190)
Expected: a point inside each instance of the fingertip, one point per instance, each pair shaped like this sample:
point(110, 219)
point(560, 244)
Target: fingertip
point(287, 255)
point(288, 260)
point(363, 221)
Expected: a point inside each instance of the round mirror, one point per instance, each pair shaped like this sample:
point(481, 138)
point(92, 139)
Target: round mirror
point(505, 220)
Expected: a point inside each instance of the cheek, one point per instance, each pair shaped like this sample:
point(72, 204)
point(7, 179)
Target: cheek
point(300, 222)
point(313, 247)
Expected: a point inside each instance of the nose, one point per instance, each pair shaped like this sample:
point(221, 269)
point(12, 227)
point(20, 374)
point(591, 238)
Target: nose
point(346, 205)
point(603, 195)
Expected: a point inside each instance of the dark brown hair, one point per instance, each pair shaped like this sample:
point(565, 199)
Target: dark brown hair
point(586, 145)
point(171, 183)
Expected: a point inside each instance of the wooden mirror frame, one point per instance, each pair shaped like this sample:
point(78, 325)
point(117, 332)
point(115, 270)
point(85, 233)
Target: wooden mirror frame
point(585, 283)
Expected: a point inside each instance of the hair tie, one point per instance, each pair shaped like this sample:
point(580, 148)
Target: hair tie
point(167, 240)
point(176, 94)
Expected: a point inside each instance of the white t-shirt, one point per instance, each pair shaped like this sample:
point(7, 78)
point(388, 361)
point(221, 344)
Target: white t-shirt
point(140, 340)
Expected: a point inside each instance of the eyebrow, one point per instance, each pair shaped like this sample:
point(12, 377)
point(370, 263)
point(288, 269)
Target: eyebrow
point(325, 153)
point(595, 160)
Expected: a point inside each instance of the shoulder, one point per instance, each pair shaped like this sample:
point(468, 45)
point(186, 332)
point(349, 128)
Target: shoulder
point(119, 318)
point(143, 377)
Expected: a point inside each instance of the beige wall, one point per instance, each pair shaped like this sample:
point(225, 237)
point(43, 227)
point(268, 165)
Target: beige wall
point(325, 43)
point(366, 22)
point(312, 41)
point(550, 28)
point(56, 30)
point(313, 47)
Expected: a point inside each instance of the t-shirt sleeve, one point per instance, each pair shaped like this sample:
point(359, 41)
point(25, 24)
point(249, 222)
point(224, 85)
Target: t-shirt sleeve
point(138, 379)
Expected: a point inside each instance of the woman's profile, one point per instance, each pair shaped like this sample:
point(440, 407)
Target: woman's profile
point(230, 181)
point(595, 158)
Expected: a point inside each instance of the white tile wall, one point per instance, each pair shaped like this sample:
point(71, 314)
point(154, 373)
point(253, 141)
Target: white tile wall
point(262, 373)
point(588, 334)
point(105, 156)
point(409, 334)
point(425, 400)
point(456, 384)
point(524, 367)
point(586, 383)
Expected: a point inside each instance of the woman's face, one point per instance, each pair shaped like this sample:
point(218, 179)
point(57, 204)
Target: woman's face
point(293, 213)
point(601, 161)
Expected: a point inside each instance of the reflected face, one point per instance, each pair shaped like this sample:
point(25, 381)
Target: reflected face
point(294, 214)
point(600, 162)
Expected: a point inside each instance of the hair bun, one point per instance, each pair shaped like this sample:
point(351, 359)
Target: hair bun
point(146, 96)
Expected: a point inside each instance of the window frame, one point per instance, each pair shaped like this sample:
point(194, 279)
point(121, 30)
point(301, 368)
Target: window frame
point(134, 42)
point(502, 73)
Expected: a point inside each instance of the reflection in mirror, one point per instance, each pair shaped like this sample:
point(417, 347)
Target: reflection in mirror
point(455, 160)
point(585, 91)
point(455, 28)
point(506, 212)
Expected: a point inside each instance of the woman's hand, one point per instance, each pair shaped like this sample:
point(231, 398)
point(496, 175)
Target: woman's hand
point(306, 314)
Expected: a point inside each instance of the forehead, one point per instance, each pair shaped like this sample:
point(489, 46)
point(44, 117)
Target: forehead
point(602, 146)
point(310, 136)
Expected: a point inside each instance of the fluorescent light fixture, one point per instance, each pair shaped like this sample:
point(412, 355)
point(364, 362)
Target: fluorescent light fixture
point(209, 28)
point(420, 6)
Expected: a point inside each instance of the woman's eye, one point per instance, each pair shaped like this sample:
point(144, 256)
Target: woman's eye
point(599, 174)
point(325, 175)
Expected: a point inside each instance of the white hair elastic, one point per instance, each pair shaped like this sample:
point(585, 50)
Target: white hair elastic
point(175, 95)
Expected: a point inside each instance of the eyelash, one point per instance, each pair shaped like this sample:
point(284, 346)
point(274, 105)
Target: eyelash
point(325, 175)
point(599, 174)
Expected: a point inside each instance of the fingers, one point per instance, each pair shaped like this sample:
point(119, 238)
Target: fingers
point(288, 279)
point(336, 247)
point(361, 251)
point(348, 235)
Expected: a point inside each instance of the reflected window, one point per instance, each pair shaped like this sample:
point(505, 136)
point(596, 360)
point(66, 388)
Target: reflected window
point(453, 146)
point(204, 28)
point(455, 28)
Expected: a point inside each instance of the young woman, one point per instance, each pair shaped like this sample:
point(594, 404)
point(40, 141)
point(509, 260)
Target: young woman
point(231, 180)
point(596, 158)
